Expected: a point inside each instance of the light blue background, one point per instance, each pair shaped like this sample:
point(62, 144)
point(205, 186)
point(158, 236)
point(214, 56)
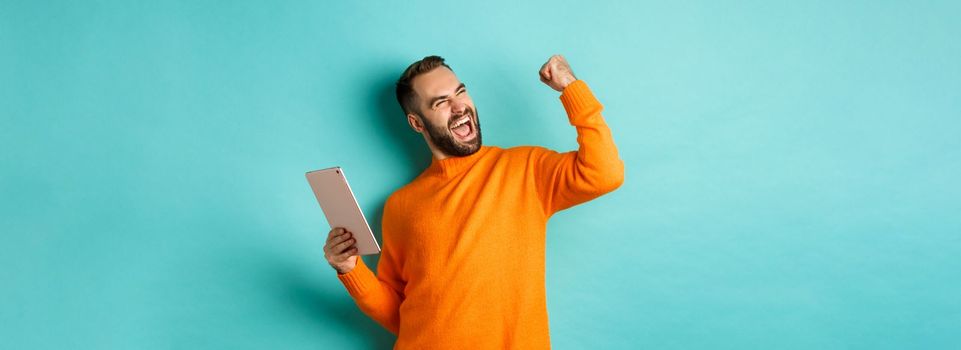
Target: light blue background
point(792, 169)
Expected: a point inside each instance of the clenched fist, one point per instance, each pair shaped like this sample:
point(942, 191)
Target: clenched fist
point(340, 250)
point(556, 73)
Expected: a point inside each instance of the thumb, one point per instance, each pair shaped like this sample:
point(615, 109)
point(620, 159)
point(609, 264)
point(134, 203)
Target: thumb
point(545, 71)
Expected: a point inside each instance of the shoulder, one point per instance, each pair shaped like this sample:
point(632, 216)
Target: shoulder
point(409, 194)
point(398, 197)
point(528, 153)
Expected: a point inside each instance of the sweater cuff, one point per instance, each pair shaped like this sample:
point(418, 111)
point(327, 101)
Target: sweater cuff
point(579, 101)
point(359, 280)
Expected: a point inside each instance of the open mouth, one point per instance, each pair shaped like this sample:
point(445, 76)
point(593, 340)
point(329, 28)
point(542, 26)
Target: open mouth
point(464, 128)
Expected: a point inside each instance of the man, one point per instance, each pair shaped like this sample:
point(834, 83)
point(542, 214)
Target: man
point(462, 264)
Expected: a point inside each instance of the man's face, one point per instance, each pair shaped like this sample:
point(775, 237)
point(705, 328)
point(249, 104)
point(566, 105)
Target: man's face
point(448, 113)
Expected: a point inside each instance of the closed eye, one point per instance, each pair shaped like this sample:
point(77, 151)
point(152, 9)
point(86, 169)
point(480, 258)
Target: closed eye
point(441, 100)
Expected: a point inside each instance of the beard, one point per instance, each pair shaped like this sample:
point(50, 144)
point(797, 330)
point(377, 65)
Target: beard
point(444, 139)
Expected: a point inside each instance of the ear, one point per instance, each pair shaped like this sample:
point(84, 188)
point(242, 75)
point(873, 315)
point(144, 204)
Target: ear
point(415, 123)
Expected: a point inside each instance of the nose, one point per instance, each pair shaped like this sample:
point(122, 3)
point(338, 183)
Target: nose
point(458, 106)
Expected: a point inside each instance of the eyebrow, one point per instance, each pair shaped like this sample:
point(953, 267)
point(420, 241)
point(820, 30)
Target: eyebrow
point(438, 98)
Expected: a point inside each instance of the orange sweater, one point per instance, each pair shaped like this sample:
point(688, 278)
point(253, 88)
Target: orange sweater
point(462, 264)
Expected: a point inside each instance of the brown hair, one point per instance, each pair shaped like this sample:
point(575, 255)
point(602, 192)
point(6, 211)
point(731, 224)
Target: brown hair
point(405, 92)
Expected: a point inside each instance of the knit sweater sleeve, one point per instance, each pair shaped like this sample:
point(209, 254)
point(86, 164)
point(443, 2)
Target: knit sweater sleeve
point(378, 296)
point(567, 179)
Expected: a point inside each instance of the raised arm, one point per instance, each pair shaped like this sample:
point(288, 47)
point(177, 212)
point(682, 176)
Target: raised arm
point(567, 179)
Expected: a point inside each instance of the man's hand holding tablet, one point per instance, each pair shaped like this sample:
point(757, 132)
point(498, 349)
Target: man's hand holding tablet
point(340, 251)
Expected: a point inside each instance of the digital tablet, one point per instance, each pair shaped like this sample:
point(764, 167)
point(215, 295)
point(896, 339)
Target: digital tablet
point(341, 208)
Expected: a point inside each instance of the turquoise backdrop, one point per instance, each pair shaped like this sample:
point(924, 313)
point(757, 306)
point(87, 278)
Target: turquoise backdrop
point(792, 171)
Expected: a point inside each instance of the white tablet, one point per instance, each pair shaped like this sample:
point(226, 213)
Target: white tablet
point(341, 208)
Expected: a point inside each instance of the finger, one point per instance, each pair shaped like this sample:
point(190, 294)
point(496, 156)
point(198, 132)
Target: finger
point(555, 60)
point(339, 240)
point(340, 247)
point(350, 251)
point(336, 233)
point(546, 81)
point(334, 249)
point(344, 254)
point(554, 66)
point(545, 71)
point(331, 247)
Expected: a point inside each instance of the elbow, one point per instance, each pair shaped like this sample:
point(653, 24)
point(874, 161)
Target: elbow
point(386, 317)
point(612, 178)
point(605, 179)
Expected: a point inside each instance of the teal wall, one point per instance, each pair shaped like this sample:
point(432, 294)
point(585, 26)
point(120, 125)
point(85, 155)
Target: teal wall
point(792, 169)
